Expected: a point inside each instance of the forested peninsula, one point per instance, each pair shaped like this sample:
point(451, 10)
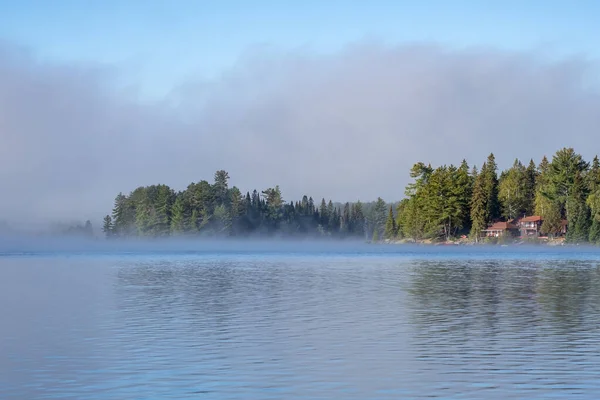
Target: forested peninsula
point(553, 200)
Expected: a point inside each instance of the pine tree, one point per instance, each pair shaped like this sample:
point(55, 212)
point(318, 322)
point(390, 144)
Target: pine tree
point(323, 214)
point(178, 220)
point(566, 165)
point(463, 190)
point(120, 216)
point(490, 186)
point(221, 188)
point(375, 238)
point(390, 225)
point(594, 235)
point(579, 215)
point(358, 220)
point(330, 223)
point(107, 227)
point(530, 185)
point(478, 208)
point(512, 191)
point(162, 211)
point(345, 220)
point(379, 216)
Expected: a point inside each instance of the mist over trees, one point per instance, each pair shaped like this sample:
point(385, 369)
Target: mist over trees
point(440, 204)
point(218, 210)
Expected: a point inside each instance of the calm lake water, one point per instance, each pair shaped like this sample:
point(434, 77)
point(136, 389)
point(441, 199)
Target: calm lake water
point(217, 325)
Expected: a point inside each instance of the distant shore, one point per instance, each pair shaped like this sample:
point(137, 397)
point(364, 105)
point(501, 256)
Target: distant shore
point(541, 241)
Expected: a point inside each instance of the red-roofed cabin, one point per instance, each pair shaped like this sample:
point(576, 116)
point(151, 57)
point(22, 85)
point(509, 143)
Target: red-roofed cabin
point(498, 229)
point(530, 226)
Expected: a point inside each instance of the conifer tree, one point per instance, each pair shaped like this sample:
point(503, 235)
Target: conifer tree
point(512, 191)
point(490, 186)
point(379, 216)
point(178, 223)
point(578, 216)
point(390, 225)
point(107, 227)
point(479, 207)
point(162, 211)
point(375, 238)
point(345, 220)
point(531, 177)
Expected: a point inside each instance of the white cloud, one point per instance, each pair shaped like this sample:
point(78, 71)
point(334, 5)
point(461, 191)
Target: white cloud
point(343, 126)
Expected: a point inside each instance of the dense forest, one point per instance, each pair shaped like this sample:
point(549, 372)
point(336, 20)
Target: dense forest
point(440, 204)
point(219, 210)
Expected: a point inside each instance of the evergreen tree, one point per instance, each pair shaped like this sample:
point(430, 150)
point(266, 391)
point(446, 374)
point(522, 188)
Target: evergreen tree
point(479, 216)
point(463, 190)
point(273, 206)
point(221, 188)
point(390, 225)
point(401, 218)
point(107, 227)
point(512, 191)
point(375, 238)
point(162, 211)
point(331, 220)
point(566, 165)
point(594, 236)
point(379, 216)
point(178, 220)
point(490, 186)
point(358, 220)
point(222, 221)
point(236, 210)
point(323, 214)
point(579, 216)
point(345, 221)
point(121, 216)
point(531, 174)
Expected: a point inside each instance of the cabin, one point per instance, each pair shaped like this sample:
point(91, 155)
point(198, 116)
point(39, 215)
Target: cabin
point(499, 229)
point(531, 226)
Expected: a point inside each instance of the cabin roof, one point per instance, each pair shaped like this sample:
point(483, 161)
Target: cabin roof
point(500, 226)
point(531, 218)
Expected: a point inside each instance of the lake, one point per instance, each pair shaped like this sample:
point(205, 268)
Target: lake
point(352, 323)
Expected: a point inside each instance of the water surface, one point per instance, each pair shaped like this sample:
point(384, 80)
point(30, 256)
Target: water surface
point(304, 325)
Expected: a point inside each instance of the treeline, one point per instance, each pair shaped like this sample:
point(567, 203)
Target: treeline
point(440, 204)
point(447, 201)
point(217, 210)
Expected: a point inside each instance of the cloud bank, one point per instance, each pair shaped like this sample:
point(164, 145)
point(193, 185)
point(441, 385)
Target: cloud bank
point(343, 126)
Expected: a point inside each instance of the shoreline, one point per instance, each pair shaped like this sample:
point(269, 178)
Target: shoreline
point(543, 241)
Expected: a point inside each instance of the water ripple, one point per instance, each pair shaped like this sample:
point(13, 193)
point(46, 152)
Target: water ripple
point(291, 327)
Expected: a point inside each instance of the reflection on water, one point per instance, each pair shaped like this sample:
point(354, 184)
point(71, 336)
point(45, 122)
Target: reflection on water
point(313, 327)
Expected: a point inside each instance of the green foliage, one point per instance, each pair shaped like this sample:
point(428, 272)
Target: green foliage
point(578, 212)
point(594, 236)
point(513, 191)
point(378, 217)
point(217, 210)
point(107, 226)
point(390, 225)
point(440, 203)
point(490, 186)
point(478, 208)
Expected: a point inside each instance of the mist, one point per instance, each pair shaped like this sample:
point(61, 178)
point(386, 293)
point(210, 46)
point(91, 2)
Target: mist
point(344, 126)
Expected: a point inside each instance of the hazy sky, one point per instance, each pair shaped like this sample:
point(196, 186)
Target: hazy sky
point(335, 99)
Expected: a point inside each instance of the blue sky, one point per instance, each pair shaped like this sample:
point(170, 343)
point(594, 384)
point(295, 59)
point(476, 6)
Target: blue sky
point(161, 43)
